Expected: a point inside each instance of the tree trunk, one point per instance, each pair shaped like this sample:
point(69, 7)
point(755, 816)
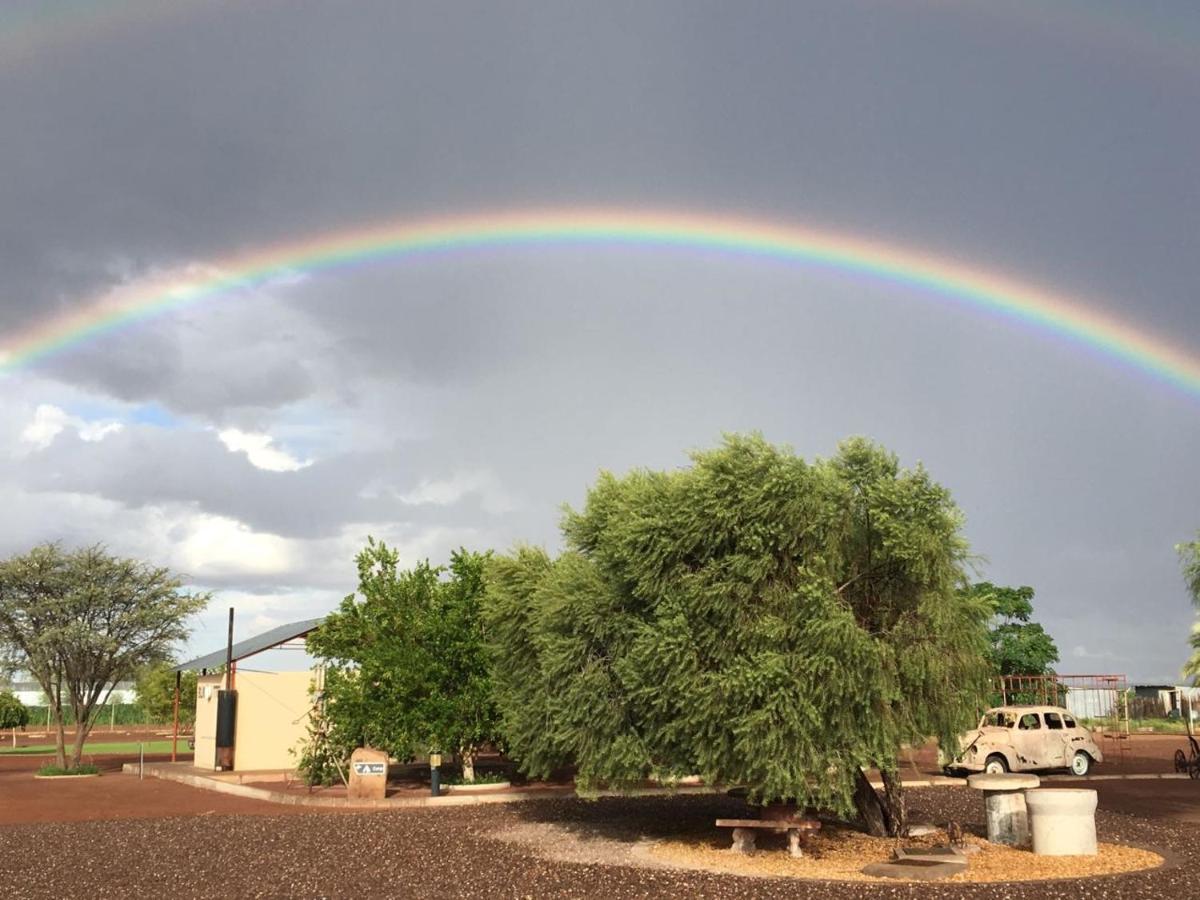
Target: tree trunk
point(895, 807)
point(81, 733)
point(468, 764)
point(60, 740)
point(870, 809)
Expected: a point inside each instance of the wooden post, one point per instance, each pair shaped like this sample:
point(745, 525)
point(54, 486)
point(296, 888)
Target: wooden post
point(175, 731)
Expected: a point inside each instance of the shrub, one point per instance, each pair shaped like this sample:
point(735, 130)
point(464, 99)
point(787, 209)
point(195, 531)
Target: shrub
point(67, 770)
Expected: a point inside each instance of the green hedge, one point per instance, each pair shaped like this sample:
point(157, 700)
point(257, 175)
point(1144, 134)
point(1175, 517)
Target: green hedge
point(115, 713)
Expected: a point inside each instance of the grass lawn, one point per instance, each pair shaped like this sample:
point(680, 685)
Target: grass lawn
point(128, 749)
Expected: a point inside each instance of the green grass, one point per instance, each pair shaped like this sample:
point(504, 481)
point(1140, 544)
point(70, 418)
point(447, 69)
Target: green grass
point(59, 770)
point(127, 749)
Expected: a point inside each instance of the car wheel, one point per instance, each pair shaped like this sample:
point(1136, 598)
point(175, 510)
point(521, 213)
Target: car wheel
point(1081, 764)
point(995, 765)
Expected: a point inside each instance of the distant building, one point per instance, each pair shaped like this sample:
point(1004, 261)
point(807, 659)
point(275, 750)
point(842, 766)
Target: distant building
point(30, 693)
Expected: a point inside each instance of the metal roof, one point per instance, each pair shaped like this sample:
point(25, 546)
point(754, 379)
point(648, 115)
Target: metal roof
point(250, 646)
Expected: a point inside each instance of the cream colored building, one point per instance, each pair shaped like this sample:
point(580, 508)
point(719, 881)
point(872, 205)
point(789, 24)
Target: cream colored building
point(271, 720)
point(273, 708)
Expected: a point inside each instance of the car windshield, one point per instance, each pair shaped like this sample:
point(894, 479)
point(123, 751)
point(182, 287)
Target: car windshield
point(997, 718)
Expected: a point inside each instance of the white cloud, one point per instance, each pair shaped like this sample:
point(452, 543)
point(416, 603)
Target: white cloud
point(447, 491)
point(50, 421)
point(216, 546)
point(260, 451)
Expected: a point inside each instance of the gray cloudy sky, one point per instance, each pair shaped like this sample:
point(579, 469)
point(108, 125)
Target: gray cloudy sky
point(254, 441)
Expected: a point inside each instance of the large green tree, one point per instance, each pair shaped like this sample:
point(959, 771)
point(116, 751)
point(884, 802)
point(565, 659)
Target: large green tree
point(406, 670)
point(1189, 554)
point(80, 621)
point(755, 618)
point(1017, 644)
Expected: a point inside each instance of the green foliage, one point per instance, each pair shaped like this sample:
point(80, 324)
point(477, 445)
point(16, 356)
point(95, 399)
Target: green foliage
point(156, 694)
point(1189, 555)
point(320, 760)
point(1017, 646)
point(13, 713)
point(755, 619)
point(58, 771)
point(114, 713)
point(81, 621)
point(406, 669)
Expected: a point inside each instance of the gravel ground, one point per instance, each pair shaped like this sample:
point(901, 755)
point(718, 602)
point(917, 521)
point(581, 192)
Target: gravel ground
point(455, 852)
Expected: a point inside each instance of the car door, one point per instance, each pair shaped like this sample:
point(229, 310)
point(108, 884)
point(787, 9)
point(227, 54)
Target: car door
point(1029, 738)
point(1058, 741)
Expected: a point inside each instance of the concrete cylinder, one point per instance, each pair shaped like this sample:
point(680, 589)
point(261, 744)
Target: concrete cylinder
point(1062, 821)
point(1004, 804)
point(1007, 821)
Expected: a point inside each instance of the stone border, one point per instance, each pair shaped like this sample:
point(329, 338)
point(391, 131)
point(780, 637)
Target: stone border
point(476, 788)
point(192, 779)
point(66, 777)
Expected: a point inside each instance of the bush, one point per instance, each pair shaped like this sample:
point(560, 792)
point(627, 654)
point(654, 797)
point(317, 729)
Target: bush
point(54, 770)
point(13, 713)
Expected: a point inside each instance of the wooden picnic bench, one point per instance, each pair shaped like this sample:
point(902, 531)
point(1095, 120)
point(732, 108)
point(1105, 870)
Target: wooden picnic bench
point(744, 832)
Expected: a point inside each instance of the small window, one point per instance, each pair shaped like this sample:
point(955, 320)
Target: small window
point(1054, 721)
point(1029, 721)
point(1070, 722)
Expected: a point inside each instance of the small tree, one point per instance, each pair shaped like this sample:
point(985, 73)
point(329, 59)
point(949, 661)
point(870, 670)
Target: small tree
point(156, 693)
point(1189, 554)
point(1017, 645)
point(81, 621)
point(13, 713)
point(405, 668)
point(755, 618)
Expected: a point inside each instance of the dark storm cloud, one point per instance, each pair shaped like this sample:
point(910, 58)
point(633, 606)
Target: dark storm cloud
point(510, 378)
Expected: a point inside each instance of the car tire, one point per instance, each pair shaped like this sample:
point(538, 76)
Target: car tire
point(1081, 764)
point(995, 765)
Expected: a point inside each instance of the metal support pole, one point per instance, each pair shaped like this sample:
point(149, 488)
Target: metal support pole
point(141, 761)
point(175, 732)
point(229, 655)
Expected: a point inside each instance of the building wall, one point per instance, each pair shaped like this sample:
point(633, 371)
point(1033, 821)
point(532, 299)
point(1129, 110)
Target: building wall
point(205, 733)
point(272, 719)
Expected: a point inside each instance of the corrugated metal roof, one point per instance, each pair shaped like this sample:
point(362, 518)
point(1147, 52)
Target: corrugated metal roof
point(250, 646)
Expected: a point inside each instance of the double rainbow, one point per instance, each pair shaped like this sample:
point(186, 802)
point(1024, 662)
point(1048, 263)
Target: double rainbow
point(398, 240)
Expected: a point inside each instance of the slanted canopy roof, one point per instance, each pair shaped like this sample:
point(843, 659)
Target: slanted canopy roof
point(250, 646)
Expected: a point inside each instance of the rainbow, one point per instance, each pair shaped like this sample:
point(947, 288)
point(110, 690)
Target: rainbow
point(403, 239)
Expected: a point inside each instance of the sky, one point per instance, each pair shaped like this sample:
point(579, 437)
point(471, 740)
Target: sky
point(252, 441)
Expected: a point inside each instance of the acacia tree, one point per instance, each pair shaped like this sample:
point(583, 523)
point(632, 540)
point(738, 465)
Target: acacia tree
point(406, 669)
point(1189, 554)
point(81, 621)
point(756, 619)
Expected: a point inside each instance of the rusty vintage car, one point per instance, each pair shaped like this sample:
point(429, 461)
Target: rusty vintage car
point(1024, 739)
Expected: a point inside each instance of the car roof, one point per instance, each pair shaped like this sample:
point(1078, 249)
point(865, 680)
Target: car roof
point(1029, 707)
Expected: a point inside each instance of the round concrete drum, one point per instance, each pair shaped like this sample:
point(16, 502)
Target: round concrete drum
point(1063, 821)
point(1004, 801)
